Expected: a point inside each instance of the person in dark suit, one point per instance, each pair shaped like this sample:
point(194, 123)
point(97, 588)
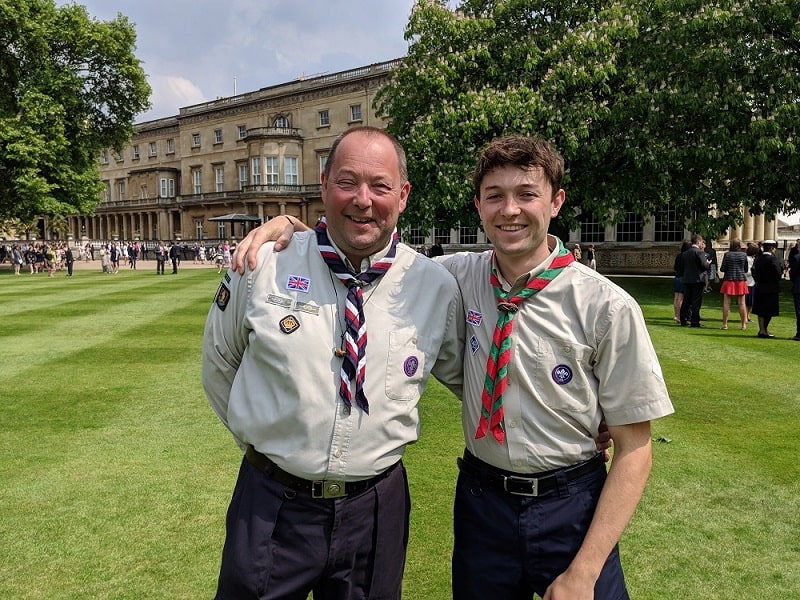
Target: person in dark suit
point(767, 271)
point(69, 258)
point(175, 256)
point(794, 275)
point(695, 264)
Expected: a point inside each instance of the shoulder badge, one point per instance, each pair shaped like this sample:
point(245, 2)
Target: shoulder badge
point(223, 297)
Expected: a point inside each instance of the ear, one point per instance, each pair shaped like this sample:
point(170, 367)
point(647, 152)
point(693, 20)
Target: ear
point(477, 202)
point(557, 203)
point(404, 192)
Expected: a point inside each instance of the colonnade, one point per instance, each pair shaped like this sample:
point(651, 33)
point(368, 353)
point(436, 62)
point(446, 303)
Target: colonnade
point(755, 228)
point(143, 225)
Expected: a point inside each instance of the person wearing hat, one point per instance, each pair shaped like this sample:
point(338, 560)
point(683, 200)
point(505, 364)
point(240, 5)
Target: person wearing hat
point(767, 274)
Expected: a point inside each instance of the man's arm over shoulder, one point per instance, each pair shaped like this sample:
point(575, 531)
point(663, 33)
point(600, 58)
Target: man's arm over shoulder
point(449, 367)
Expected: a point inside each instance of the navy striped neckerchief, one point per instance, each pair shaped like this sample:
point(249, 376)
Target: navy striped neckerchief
point(355, 333)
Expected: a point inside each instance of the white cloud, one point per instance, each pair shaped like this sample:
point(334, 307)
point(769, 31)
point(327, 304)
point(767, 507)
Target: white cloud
point(191, 50)
point(170, 92)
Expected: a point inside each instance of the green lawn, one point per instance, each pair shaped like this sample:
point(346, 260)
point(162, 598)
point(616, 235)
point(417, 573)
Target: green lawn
point(116, 474)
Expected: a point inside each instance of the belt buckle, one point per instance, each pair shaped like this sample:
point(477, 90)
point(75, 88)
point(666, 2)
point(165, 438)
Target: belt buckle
point(532, 482)
point(327, 488)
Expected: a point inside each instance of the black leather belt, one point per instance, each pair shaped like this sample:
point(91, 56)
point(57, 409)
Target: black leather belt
point(524, 485)
point(320, 488)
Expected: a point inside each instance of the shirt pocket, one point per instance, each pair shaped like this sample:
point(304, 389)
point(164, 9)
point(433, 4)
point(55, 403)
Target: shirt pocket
point(564, 377)
point(405, 365)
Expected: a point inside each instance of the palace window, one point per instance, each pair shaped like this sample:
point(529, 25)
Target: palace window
point(271, 170)
point(631, 228)
point(167, 188)
point(197, 181)
point(290, 176)
point(592, 231)
point(416, 237)
point(668, 227)
point(467, 235)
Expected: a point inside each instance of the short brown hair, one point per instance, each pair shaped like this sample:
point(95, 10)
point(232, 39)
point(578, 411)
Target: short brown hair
point(522, 151)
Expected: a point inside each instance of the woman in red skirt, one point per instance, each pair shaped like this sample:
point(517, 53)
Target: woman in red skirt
point(734, 284)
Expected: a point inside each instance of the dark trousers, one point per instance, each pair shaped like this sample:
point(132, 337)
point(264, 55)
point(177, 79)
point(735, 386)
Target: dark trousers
point(282, 544)
point(797, 312)
point(692, 301)
point(69, 268)
point(160, 265)
point(174, 265)
point(508, 546)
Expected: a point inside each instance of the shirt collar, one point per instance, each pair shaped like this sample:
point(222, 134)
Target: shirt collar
point(367, 262)
point(522, 280)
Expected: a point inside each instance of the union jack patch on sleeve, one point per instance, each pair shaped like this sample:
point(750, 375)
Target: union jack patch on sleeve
point(474, 317)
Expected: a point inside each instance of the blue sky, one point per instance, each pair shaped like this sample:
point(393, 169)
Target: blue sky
point(197, 50)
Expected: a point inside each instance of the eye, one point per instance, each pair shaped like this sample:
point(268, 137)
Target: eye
point(346, 184)
point(382, 188)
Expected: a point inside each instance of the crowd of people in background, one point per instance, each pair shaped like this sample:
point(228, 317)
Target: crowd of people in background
point(51, 257)
point(39, 257)
point(751, 277)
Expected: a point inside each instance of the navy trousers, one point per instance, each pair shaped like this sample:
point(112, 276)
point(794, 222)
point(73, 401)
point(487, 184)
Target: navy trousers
point(282, 544)
point(511, 547)
point(692, 302)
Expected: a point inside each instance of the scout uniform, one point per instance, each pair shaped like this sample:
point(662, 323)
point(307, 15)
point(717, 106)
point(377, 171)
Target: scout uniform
point(271, 370)
point(580, 353)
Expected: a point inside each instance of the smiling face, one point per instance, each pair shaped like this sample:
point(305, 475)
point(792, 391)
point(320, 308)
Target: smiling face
point(516, 205)
point(364, 193)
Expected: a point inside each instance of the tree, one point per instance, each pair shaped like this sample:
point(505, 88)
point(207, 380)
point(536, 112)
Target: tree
point(681, 102)
point(71, 86)
point(706, 118)
point(490, 68)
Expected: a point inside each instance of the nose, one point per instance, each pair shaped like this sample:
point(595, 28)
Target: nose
point(363, 198)
point(509, 207)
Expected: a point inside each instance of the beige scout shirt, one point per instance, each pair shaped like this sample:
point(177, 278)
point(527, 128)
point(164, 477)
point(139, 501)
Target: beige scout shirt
point(270, 372)
point(580, 351)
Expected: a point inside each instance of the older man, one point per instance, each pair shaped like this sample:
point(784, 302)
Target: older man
point(322, 411)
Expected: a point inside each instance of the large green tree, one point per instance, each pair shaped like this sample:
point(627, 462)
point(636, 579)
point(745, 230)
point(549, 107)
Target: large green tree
point(706, 117)
point(682, 102)
point(70, 86)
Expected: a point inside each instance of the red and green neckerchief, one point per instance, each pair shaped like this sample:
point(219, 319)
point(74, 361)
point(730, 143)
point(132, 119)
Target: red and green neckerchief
point(496, 381)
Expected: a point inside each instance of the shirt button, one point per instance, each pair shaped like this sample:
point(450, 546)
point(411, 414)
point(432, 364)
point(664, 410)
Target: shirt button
point(337, 453)
point(513, 423)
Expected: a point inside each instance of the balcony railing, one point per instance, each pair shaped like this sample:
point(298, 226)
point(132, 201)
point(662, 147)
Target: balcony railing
point(260, 132)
